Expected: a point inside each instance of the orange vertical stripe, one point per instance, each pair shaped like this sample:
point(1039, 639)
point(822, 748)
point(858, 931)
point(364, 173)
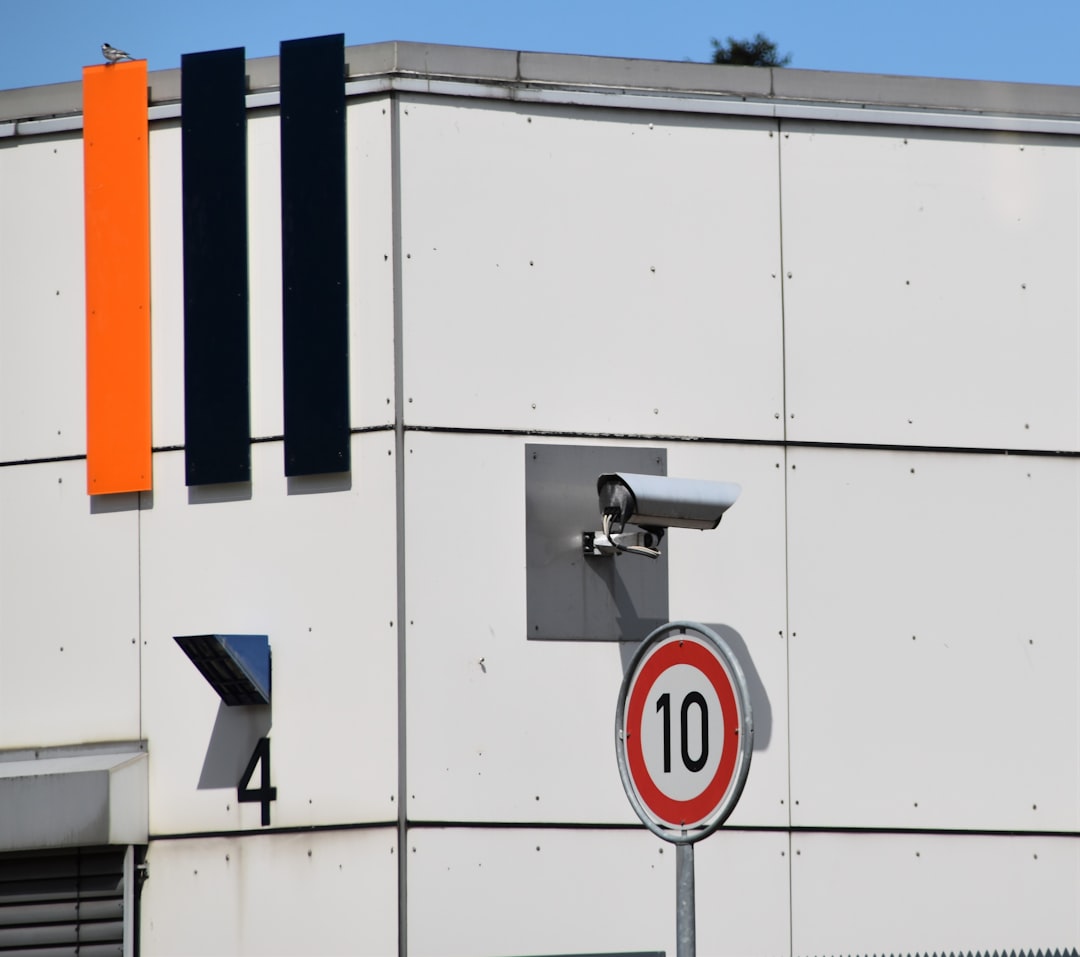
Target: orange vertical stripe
point(116, 171)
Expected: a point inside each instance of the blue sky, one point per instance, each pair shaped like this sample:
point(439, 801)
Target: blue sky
point(1035, 41)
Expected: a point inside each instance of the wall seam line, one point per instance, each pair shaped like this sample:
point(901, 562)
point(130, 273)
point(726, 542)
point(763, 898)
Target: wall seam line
point(787, 530)
point(399, 494)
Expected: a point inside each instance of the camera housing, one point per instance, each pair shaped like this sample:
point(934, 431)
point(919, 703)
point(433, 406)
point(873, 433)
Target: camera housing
point(655, 503)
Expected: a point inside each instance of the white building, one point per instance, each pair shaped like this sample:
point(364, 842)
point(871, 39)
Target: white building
point(856, 296)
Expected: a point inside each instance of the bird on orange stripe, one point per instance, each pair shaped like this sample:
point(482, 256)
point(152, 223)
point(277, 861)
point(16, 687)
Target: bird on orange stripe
point(112, 55)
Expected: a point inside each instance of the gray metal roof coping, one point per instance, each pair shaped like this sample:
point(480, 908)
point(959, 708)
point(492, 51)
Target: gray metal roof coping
point(40, 102)
point(609, 74)
point(927, 93)
point(435, 60)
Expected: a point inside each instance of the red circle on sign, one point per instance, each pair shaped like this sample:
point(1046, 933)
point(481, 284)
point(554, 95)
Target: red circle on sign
point(676, 813)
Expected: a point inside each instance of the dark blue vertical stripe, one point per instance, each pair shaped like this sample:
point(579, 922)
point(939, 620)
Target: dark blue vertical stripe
point(314, 256)
point(217, 403)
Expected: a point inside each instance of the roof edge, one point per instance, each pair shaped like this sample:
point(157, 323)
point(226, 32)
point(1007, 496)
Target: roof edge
point(609, 74)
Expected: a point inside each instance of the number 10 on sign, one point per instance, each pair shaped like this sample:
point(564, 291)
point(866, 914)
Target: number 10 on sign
point(684, 731)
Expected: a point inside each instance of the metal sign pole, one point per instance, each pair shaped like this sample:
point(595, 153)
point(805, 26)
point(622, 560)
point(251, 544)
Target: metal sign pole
point(685, 931)
point(687, 668)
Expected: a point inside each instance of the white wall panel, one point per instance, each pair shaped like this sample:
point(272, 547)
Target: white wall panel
point(69, 609)
point(932, 295)
point(43, 301)
point(935, 606)
point(310, 564)
point(331, 892)
point(371, 263)
point(590, 270)
point(933, 894)
point(264, 272)
point(371, 309)
point(501, 728)
point(582, 891)
point(167, 283)
point(733, 579)
point(570, 892)
point(743, 901)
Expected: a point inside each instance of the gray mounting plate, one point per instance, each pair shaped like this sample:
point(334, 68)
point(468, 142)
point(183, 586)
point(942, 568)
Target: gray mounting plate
point(571, 596)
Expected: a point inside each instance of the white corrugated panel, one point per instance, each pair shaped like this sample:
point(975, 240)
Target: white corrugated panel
point(933, 894)
point(43, 306)
point(327, 893)
point(932, 296)
point(590, 271)
point(309, 563)
point(935, 606)
point(69, 609)
point(482, 893)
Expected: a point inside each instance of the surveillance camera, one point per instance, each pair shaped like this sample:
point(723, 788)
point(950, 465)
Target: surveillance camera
point(657, 502)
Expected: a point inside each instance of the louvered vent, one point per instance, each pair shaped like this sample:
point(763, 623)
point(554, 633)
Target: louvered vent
point(60, 903)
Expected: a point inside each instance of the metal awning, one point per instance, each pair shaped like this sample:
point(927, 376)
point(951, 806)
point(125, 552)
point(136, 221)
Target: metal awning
point(74, 796)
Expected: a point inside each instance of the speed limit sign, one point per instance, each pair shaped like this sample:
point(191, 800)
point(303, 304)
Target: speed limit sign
point(684, 731)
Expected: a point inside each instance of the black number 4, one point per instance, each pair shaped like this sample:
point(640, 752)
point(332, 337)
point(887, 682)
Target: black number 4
point(263, 794)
